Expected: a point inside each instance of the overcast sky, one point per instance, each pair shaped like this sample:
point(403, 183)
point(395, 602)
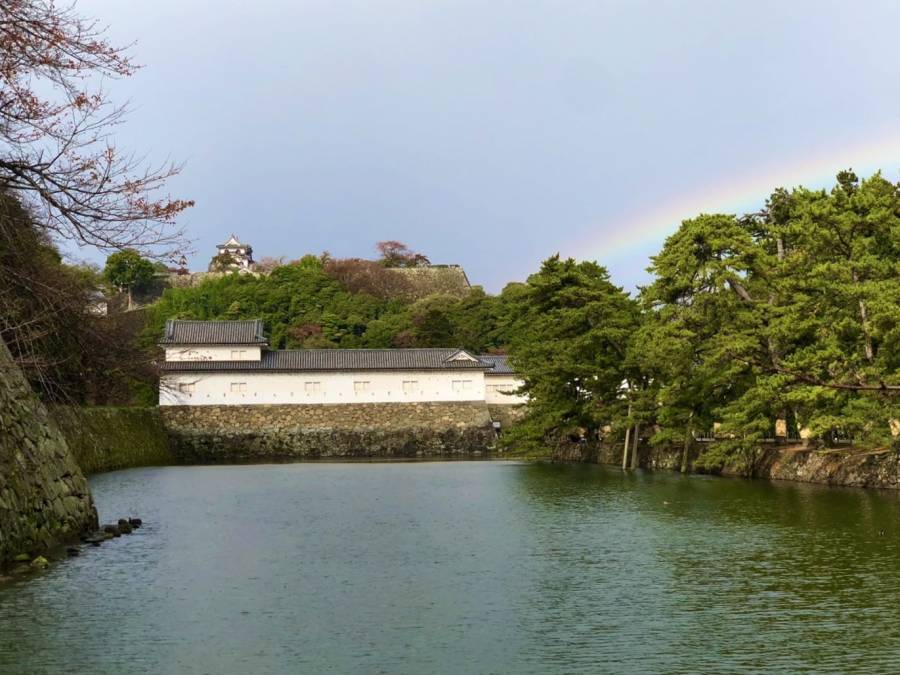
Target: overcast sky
point(495, 133)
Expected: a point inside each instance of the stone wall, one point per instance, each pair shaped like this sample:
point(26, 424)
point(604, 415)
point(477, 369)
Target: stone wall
point(506, 415)
point(433, 280)
point(846, 466)
point(105, 439)
point(852, 467)
point(44, 496)
point(223, 433)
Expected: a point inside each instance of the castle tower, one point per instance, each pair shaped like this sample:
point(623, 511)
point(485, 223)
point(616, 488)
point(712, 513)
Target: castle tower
point(233, 255)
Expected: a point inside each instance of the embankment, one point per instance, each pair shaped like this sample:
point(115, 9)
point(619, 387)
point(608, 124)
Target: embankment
point(259, 432)
point(850, 467)
point(44, 496)
point(105, 439)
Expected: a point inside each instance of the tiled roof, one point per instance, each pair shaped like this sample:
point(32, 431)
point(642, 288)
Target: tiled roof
point(180, 332)
point(499, 364)
point(339, 359)
point(232, 242)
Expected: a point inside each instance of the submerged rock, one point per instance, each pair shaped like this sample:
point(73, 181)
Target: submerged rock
point(73, 551)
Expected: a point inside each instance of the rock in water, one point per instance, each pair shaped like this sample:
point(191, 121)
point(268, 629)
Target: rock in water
point(73, 551)
point(113, 530)
point(40, 562)
point(135, 522)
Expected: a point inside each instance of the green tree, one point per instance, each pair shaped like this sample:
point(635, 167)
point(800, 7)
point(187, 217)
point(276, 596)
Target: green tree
point(128, 272)
point(569, 345)
point(694, 310)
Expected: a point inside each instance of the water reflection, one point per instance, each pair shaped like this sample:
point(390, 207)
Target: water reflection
point(466, 567)
point(747, 575)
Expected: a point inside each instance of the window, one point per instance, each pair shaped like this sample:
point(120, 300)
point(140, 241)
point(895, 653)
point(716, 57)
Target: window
point(409, 386)
point(462, 385)
point(238, 354)
point(238, 387)
point(360, 387)
point(492, 387)
point(186, 387)
point(312, 387)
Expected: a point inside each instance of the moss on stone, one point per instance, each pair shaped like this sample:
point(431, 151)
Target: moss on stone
point(108, 438)
point(44, 496)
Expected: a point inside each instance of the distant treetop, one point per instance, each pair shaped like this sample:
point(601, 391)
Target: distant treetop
point(398, 254)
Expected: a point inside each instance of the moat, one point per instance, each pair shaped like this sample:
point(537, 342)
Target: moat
point(466, 567)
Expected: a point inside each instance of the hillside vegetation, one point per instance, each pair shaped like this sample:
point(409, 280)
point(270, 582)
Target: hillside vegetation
point(319, 303)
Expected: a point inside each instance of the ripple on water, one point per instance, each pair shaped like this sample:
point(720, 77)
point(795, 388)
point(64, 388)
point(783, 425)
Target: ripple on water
point(466, 567)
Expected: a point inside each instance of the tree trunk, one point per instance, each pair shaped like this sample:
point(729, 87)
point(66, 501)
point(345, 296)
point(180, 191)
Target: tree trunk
point(686, 451)
point(627, 438)
point(129, 298)
point(864, 318)
point(870, 352)
point(634, 447)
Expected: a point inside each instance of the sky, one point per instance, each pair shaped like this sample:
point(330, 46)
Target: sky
point(493, 134)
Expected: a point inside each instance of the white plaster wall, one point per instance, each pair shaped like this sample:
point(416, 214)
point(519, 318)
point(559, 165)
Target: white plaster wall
point(502, 383)
point(205, 353)
point(384, 387)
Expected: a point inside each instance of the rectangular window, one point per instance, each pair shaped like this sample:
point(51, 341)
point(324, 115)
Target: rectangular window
point(238, 387)
point(238, 354)
point(186, 387)
point(360, 387)
point(410, 386)
point(492, 387)
point(312, 387)
point(462, 385)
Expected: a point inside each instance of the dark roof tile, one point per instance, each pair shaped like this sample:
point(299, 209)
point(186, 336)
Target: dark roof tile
point(179, 332)
point(499, 364)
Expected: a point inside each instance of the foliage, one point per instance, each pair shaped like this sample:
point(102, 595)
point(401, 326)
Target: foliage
point(128, 271)
point(56, 153)
point(792, 313)
point(320, 302)
point(569, 346)
point(367, 276)
point(67, 353)
point(223, 262)
point(398, 254)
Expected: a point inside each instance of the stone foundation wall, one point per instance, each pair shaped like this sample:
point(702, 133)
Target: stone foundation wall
point(105, 439)
point(851, 467)
point(507, 415)
point(223, 433)
point(846, 466)
point(44, 496)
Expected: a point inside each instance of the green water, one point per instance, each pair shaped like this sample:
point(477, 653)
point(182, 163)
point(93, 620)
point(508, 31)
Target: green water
point(466, 567)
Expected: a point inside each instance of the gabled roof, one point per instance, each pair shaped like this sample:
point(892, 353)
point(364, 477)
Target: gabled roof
point(232, 241)
point(179, 332)
point(340, 359)
point(499, 364)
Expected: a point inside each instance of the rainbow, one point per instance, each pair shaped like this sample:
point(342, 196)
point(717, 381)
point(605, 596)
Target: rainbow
point(630, 236)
